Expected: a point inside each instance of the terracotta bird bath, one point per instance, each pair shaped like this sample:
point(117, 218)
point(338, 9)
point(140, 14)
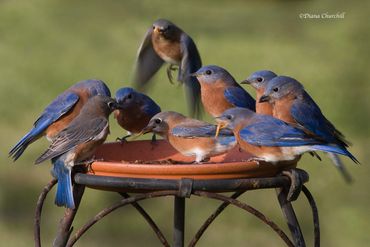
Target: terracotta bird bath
point(155, 170)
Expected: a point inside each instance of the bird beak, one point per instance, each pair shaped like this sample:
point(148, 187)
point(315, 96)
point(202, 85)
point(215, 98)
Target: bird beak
point(264, 98)
point(246, 81)
point(221, 123)
point(195, 74)
point(144, 131)
point(113, 105)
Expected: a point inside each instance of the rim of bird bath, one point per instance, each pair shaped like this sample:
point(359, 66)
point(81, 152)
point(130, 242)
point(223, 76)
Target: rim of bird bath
point(143, 159)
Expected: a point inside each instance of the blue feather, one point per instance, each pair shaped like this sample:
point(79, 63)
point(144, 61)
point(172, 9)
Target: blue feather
point(61, 105)
point(335, 149)
point(269, 131)
point(239, 98)
point(64, 194)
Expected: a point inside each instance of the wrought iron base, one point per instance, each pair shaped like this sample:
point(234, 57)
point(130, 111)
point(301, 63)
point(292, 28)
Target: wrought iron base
point(288, 186)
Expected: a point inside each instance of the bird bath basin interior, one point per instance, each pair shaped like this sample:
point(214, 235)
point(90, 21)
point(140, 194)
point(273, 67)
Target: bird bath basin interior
point(139, 159)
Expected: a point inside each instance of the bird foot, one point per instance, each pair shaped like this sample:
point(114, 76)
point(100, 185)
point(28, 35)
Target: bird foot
point(297, 178)
point(257, 160)
point(123, 139)
point(170, 69)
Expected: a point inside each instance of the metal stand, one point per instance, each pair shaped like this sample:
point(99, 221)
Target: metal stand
point(288, 186)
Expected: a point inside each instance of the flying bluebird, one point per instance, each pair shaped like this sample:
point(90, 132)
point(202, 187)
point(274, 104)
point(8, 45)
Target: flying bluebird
point(258, 80)
point(134, 110)
point(220, 91)
point(60, 112)
point(272, 140)
point(189, 136)
point(292, 104)
point(77, 143)
point(165, 42)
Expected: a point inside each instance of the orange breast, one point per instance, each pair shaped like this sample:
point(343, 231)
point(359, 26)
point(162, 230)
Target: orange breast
point(168, 50)
point(185, 145)
point(133, 121)
point(264, 107)
point(281, 110)
point(213, 99)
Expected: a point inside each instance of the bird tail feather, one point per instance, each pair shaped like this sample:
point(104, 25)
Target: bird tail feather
point(335, 150)
point(26, 140)
point(64, 194)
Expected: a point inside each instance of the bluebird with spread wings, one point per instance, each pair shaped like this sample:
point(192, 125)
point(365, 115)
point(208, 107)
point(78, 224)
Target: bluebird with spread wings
point(166, 42)
point(259, 80)
point(134, 110)
point(273, 140)
point(60, 112)
point(189, 136)
point(220, 91)
point(292, 104)
point(77, 143)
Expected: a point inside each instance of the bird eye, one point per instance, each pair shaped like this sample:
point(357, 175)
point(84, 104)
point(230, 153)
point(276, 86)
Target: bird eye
point(229, 117)
point(259, 79)
point(208, 72)
point(129, 96)
point(153, 27)
point(158, 121)
point(275, 89)
point(111, 104)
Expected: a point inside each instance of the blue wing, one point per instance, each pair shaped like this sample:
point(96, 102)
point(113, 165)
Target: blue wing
point(190, 63)
point(149, 106)
point(274, 132)
point(240, 98)
point(199, 131)
point(308, 114)
point(60, 106)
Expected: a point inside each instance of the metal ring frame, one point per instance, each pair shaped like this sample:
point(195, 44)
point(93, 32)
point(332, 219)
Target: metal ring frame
point(288, 186)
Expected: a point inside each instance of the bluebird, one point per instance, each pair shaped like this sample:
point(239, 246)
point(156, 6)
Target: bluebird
point(77, 143)
point(220, 91)
point(165, 42)
point(292, 104)
point(258, 80)
point(272, 140)
point(189, 136)
point(134, 110)
point(59, 113)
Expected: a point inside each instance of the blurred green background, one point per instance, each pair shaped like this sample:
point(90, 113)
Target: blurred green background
point(46, 46)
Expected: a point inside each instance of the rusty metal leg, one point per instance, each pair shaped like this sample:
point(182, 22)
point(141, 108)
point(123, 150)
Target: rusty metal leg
point(290, 217)
point(179, 222)
point(65, 225)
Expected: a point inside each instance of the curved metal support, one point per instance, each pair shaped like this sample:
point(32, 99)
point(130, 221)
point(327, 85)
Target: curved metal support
point(315, 215)
point(249, 209)
point(39, 205)
point(148, 219)
point(212, 217)
point(115, 206)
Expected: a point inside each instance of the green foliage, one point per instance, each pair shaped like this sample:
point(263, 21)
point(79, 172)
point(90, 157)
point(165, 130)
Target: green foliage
point(46, 46)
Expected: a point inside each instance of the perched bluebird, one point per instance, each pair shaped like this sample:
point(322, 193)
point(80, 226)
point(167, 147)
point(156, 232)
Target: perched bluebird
point(189, 136)
point(272, 140)
point(134, 110)
point(220, 91)
point(77, 143)
point(292, 104)
point(165, 42)
point(258, 80)
point(59, 113)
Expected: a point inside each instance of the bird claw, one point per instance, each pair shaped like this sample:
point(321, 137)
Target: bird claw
point(123, 139)
point(170, 69)
point(256, 160)
point(297, 178)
